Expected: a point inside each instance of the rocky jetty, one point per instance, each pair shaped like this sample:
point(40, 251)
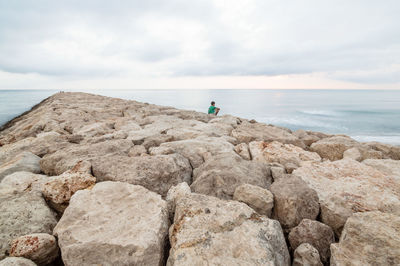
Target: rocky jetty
point(93, 180)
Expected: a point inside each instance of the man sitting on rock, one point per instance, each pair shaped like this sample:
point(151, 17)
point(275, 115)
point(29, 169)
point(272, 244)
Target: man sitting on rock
point(212, 109)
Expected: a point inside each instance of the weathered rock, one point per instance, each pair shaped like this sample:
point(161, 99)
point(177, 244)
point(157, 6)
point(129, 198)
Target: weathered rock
point(306, 255)
point(23, 214)
point(305, 137)
point(175, 193)
point(95, 129)
point(25, 161)
point(220, 175)
point(137, 150)
point(317, 234)
point(208, 230)
point(196, 150)
point(243, 150)
point(65, 159)
point(157, 173)
point(386, 166)
point(15, 261)
point(347, 186)
point(353, 153)
point(388, 151)
point(333, 148)
point(293, 202)
point(248, 132)
point(259, 199)
point(369, 238)
point(113, 224)
point(286, 154)
point(40, 248)
point(278, 172)
point(59, 189)
point(23, 181)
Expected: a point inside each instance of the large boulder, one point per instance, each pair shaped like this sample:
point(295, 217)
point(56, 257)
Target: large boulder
point(113, 224)
point(25, 161)
point(16, 261)
point(248, 132)
point(306, 255)
point(347, 186)
point(221, 174)
point(259, 199)
point(314, 233)
point(208, 230)
point(307, 138)
point(196, 150)
point(24, 181)
point(65, 159)
point(386, 166)
point(40, 248)
point(243, 150)
point(293, 202)
point(59, 189)
point(156, 173)
point(369, 238)
point(284, 154)
point(23, 214)
point(388, 151)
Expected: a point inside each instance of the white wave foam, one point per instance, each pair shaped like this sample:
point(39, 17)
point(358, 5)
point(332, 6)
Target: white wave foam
point(320, 112)
point(394, 139)
point(301, 122)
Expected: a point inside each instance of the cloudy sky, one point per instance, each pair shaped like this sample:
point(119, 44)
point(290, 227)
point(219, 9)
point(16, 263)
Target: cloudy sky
point(75, 44)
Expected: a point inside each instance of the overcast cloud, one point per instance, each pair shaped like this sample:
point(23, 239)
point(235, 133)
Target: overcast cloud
point(356, 41)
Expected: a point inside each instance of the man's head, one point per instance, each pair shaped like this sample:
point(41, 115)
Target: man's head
point(212, 103)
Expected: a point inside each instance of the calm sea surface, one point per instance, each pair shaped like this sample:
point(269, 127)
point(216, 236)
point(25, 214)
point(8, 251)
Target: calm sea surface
point(366, 115)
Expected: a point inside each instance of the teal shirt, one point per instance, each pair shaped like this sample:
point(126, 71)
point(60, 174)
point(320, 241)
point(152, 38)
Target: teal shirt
point(211, 109)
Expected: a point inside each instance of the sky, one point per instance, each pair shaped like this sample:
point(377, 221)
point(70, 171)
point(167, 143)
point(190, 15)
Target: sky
point(196, 44)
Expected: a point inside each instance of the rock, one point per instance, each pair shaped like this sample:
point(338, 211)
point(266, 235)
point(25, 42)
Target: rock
point(175, 193)
point(24, 181)
point(156, 140)
point(40, 248)
point(388, 151)
point(220, 175)
point(278, 172)
point(248, 132)
point(386, 166)
point(23, 214)
point(352, 153)
point(126, 124)
point(208, 230)
point(332, 148)
point(15, 261)
point(25, 161)
point(305, 137)
point(157, 173)
point(347, 186)
point(306, 255)
point(259, 199)
point(286, 154)
point(293, 202)
point(95, 129)
point(113, 224)
point(59, 189)
point(369, 238)
point(137, 150)
point(65, 159)
point(243, 150)
point(196, 150)
point(317, 234)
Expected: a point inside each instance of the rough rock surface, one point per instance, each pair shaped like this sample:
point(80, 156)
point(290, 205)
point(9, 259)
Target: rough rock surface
point(317, 234)
point(259, 199)
point(40, 248)
point(347, 186)
point(25, 161)
point(369, 238)
point(386, 166)
point(113, 224)
point(247, 132)
point(174, 193)
point(208, 230)
point(23, 214)
point(23, 181)
point(156, 173)
point(293, 202)
point(306, 255)
point(285, 154)
point(220, 175)
point(243, 150)
point(307, 138)
point(388, 151)
point(353, 153)
point(16, 261)
point(59, 189)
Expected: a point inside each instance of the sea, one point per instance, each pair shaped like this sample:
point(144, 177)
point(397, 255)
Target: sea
point(365, 115)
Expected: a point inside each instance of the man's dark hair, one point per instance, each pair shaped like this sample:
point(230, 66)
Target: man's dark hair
point(212, 102)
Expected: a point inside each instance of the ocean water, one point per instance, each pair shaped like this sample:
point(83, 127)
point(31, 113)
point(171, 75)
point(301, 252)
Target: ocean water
point(365, 115)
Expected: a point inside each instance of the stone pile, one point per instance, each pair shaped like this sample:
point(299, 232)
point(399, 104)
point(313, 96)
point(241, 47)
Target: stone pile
point(92, 180)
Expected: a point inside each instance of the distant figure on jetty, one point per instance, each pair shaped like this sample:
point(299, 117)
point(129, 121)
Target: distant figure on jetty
point(212, 109)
